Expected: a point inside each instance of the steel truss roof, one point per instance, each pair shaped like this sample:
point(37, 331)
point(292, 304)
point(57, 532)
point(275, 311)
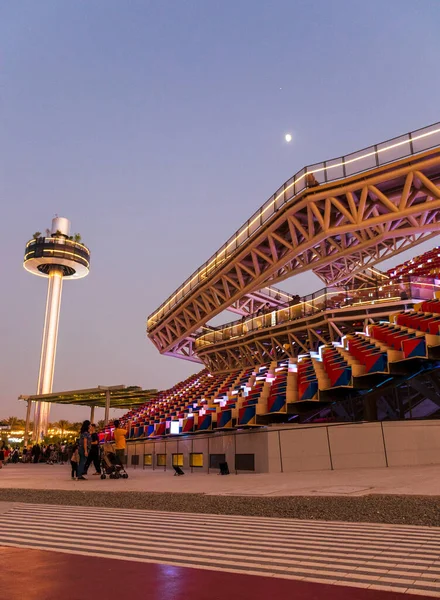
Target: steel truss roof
point(120, 397)
point(335, 229)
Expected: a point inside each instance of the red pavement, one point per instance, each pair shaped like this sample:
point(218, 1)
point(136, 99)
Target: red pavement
point(43, 575)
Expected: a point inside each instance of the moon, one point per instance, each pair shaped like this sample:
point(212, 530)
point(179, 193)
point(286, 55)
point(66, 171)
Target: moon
point(288, 137)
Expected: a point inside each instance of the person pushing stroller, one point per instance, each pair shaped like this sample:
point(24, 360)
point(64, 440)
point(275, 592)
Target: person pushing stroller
point(120, 435)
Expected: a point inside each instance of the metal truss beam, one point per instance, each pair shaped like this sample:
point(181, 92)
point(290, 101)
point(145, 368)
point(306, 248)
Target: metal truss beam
point(251, 303)
point(336, 230)
point(185, 349)
point(292, 338)
point(424, 389)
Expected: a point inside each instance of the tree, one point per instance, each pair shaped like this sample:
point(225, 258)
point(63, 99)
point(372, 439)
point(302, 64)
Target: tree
point(13, 422)
point(76, 427)
point(36, 235)
point(64, 426)
point(77, 237)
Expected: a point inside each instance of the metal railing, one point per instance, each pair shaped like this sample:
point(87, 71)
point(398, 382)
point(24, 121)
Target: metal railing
point(56, 246)
point(56, 240)
point(329, 298)
point(378, 155)
point(276, 294)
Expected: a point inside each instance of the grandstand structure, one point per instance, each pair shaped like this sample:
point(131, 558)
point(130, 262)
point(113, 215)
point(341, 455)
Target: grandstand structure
point(365, 347)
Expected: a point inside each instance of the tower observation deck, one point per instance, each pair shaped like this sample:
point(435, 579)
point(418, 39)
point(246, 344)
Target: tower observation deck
point(56, 256)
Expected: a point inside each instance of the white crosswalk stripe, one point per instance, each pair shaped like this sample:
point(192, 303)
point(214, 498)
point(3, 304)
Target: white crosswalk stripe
point(402, 558)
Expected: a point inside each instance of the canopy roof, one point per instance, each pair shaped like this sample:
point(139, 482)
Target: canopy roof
point(120, 397)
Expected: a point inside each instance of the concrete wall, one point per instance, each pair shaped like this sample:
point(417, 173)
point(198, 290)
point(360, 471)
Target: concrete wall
point(304, 449)
point(286, 449)
point(357, 446)
point(412, 443)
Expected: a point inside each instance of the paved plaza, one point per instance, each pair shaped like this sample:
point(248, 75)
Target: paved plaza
point(414, 481)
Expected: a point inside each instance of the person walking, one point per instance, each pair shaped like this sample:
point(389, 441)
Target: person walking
point(2, 453)
point(15, 456)
point(84, 448)
point(5, 452)
point(36, 450)
point(74, 460)
point(120, 440)
point(94, 452)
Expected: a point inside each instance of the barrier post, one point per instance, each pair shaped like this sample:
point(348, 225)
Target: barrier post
point(281, 453)
point(384, 445)
point(209, 457)
point(329, 449)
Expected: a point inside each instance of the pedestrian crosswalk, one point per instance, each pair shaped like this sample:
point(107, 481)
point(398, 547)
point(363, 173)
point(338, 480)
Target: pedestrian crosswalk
point(377, 556)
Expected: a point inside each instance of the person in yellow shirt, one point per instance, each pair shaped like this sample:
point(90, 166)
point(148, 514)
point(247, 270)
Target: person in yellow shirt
point(120, 435)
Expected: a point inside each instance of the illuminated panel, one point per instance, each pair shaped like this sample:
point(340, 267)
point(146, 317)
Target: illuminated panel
point(175, 428)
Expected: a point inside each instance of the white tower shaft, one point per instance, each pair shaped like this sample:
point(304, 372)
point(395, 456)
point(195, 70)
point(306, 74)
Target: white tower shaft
point(48, 349)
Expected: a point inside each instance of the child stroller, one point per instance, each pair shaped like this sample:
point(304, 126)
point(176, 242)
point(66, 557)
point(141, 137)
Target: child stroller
point(53, 457)
point(110, 465)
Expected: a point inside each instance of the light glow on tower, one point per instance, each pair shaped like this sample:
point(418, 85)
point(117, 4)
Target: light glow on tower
point(56, 256)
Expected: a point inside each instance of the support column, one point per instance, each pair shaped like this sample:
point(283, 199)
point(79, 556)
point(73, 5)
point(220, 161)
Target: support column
point(370, 409)
point(92, 414)
point(48, 349)
point(28, 419)
point(107, 407)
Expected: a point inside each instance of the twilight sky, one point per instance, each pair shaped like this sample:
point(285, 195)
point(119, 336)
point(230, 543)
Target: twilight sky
point(158, 127)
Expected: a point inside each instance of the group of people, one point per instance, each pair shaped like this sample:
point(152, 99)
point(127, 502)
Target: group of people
point(87, 450)
point(264, 310)
point(8, 454)
point(47, 453)
point(80, 455)
point(38, 453)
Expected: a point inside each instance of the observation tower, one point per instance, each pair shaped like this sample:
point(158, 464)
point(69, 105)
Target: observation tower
point(55, 256)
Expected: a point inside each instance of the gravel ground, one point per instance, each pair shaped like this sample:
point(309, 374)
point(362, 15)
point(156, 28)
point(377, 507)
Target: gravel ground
point(409, 510)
